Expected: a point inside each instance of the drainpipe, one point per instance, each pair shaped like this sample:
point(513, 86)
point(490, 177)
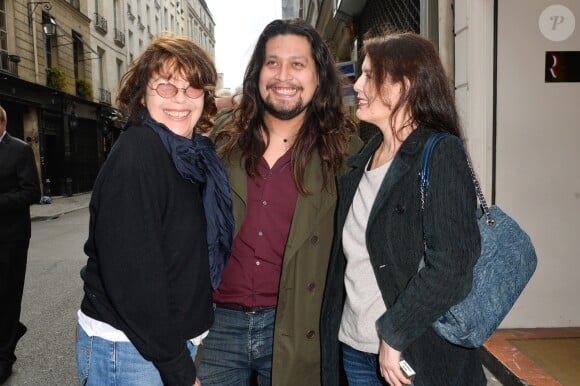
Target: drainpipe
point(35, 53)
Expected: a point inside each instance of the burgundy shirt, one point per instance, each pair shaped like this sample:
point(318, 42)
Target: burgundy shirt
point(252, 275)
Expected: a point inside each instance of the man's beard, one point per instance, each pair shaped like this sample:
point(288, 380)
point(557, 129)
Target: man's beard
point(284, 113)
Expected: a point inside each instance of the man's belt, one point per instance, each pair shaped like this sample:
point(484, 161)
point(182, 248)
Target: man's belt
point(242, 308)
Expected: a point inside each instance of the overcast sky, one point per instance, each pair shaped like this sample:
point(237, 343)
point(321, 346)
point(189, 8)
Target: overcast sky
point(238, 24)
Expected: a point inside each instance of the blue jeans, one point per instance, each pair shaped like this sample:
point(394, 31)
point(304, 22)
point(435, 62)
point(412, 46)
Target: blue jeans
point(102, 362)
point(361, 368)
point(238, 344)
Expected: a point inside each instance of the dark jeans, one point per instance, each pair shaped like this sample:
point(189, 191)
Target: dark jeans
point(361, 368)
point(238, 344)
point(13, 257)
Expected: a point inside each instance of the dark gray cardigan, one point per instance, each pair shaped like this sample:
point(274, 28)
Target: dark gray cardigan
point(395, 243)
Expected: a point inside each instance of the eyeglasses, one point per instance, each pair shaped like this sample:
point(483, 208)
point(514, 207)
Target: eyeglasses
point(168, 90)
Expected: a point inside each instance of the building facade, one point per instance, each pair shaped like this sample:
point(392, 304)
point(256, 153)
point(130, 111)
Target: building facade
point(45, 88)
point(200, 25)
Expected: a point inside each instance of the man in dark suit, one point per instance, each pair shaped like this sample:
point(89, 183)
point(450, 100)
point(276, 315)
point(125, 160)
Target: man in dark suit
point(19, 188)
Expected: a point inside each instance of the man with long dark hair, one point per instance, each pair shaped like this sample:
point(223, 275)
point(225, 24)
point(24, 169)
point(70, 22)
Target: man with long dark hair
point(287, 140)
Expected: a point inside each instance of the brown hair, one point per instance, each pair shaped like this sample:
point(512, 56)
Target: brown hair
point(183, 57)
point(326, 127)
point(428, 97)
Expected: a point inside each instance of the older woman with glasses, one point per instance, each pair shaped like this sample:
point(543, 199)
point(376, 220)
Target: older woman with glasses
point(160, 227)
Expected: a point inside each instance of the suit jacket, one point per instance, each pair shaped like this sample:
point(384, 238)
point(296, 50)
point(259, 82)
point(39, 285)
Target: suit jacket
point(19, 188)
point(394, 238)
point(296, 352)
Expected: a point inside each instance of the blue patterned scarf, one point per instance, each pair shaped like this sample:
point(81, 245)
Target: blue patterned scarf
point(196, 160)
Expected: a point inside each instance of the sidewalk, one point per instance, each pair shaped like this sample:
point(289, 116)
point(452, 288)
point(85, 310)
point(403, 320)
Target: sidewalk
point(59, 206)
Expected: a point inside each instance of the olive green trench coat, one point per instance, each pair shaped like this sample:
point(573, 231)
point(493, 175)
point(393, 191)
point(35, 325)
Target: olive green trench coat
point(296, 351)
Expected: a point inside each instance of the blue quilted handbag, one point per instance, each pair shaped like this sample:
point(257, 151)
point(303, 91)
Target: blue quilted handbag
point(506, 264)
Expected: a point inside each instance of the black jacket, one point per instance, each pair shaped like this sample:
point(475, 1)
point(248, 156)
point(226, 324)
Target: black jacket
point(148, 273)
point(394, 238)
point(19, 188)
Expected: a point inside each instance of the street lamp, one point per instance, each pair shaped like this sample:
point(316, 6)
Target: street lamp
point(48, 25)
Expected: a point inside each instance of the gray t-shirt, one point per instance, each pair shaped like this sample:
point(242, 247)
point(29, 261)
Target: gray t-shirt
point(364, 303)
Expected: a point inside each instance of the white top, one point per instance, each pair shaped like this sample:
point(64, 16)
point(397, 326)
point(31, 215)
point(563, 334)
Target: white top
point(94, 327)
point(364, 303)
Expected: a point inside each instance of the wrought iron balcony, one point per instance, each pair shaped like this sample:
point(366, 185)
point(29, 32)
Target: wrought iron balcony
point(104, 96)
point(100, 23)
point(119, 38)
point(9, 63)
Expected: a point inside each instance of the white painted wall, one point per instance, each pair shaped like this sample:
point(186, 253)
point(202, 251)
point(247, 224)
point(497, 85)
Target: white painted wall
point(538, 134)
point(537, 179)
point(474, 82)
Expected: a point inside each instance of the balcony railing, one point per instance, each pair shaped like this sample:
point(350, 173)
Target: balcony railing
point(100, 23)
point(119, 38)
point(104, 96)
point(9, 63)
point(130, 15)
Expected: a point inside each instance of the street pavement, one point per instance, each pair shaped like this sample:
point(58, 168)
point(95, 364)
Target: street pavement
point(52, 294)
point(59, 206)
point(63, 205)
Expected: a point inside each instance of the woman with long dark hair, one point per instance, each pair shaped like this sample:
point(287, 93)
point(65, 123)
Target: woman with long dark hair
point(377, 308)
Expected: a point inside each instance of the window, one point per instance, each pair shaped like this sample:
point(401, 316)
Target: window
point(130, 41)
point(3, 37)
point(48, 51)
point(130, 15)
point(119, 70)
point(104, 94)
point(148, 13)
point(116, 13)
point(165, 19)
point(78, 59)
point(101, 66)
point(48, 40)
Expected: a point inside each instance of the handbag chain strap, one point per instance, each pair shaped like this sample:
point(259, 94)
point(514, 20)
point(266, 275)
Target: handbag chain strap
point(488, 217)
point(425, 172)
